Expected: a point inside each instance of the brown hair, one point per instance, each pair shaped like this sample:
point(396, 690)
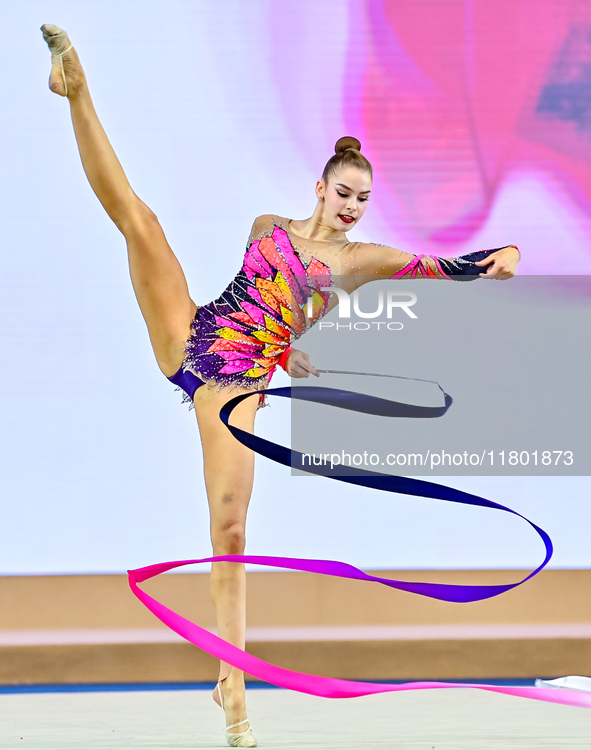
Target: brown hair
point(347, 153)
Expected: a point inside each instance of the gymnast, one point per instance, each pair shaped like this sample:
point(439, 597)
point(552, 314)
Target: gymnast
point(234, 343)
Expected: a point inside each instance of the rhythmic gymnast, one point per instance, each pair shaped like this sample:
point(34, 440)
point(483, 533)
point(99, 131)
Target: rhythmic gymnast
point(233, 344)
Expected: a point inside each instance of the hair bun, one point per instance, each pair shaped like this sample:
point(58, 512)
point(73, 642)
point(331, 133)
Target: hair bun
point(346, 142)
point(348, 155)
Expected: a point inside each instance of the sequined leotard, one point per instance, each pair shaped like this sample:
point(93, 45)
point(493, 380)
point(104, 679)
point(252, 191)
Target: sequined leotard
point(237, 339)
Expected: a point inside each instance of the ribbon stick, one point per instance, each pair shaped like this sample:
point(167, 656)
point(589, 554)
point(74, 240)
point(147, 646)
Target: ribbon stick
point(325, 686)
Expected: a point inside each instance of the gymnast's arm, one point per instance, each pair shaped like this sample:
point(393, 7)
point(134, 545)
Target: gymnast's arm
point(371, 261)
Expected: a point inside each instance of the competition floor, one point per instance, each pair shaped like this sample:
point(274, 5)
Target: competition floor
point(183, 719)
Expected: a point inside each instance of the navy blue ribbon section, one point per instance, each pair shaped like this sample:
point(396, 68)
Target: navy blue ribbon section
point(366, 404)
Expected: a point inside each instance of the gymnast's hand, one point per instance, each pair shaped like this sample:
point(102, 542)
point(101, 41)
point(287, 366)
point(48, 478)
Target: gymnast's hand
point(298, 365)
point(504, 263)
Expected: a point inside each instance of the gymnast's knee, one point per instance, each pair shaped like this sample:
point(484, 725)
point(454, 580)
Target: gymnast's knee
point(229, 539)
point(138, 218)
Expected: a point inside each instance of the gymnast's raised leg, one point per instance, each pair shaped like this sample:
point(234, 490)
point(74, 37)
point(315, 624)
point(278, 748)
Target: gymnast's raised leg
point(162, 293)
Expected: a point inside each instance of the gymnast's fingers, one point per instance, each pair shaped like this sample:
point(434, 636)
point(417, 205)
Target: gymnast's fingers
point(491, 271)
point(299, 371)
point(308, 365)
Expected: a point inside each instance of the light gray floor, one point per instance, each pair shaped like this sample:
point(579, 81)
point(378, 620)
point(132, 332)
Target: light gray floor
point(434, 719)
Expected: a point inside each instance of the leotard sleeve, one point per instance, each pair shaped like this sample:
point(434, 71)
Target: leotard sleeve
point(283, 358)
point(382, 261)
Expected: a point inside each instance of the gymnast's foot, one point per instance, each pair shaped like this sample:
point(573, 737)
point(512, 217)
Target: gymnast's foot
point(229, 694)
point(66, 72)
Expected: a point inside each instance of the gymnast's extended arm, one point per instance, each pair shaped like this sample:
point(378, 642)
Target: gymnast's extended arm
point(372, 261)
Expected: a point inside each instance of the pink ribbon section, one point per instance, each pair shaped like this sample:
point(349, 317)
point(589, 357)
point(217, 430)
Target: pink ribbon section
point(326, 687)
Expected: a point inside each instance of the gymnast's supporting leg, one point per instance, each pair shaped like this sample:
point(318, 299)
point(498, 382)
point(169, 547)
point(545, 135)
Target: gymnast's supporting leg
point(158, 279)
point(229, 474)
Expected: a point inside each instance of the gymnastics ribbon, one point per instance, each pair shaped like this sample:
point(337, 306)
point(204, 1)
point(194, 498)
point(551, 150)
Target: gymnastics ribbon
point(326, 686)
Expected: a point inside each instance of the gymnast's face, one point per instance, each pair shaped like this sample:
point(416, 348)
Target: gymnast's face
point(345, 197)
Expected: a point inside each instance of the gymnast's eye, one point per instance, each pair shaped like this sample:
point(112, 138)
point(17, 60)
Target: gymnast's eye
point(344, 195)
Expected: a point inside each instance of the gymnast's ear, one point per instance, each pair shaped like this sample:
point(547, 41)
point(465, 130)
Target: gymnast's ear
point(320, 190)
